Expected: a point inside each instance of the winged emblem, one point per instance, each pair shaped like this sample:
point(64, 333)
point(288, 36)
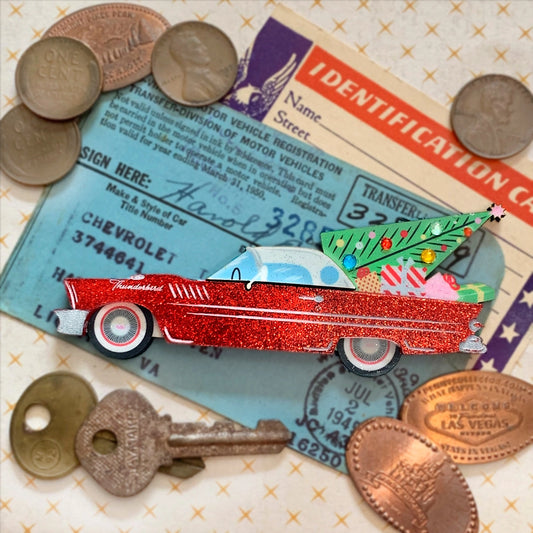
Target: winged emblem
point(255, 101)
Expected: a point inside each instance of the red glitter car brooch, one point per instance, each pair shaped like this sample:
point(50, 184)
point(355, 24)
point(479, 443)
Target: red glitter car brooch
point(368, 296)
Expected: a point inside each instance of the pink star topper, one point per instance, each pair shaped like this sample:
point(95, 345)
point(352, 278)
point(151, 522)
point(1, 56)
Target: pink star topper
point(497, 212)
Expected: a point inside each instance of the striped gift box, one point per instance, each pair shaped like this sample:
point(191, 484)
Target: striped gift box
point(404, 279)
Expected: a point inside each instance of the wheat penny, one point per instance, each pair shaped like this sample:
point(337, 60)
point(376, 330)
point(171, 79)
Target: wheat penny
point(58, 78)
point(408, 480)
point(121, 35)
point(36, 151)
point(194, 63)
point(475, 416)
point(492, 116)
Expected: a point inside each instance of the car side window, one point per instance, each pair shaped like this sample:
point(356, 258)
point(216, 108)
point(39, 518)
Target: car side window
point(242, 267)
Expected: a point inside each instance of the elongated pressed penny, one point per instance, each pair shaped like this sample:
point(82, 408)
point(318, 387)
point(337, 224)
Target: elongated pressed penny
point(408, 480)
point(121, 35)
point(475, 416)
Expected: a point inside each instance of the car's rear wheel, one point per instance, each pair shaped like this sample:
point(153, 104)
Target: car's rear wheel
point(121, 330)
point(369, 357)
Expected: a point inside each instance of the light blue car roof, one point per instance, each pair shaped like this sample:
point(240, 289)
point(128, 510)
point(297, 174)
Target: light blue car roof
point(285, 264)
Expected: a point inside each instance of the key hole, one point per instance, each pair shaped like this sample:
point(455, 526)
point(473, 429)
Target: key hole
point(104, 441)
point(36, 418)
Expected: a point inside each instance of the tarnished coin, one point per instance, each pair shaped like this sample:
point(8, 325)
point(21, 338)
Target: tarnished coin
point(474, 416)
point(58, 78)
point(36, 151)
point(49, 452)
point(121, 35)
point(492, 116)
point(409, 480)
point(194, 63)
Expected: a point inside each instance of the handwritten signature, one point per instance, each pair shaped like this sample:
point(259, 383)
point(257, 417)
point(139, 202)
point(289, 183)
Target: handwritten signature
point(251, 227)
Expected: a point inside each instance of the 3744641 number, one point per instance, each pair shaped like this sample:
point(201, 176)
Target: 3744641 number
point(110, 252)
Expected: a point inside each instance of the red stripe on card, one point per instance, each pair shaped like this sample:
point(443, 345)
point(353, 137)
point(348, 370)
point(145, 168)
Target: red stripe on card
point(412, 129)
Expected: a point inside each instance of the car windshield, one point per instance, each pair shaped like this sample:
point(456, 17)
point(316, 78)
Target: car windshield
point(291, 265)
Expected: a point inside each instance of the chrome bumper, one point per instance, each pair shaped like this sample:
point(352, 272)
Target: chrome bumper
point(71, 321)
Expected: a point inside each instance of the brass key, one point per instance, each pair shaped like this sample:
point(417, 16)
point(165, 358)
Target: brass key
point(146, 440)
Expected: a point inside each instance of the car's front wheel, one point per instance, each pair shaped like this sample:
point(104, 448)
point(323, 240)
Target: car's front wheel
point(121, 330)
point(369, 357)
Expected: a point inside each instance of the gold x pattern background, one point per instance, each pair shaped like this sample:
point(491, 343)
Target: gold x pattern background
point(434, 45)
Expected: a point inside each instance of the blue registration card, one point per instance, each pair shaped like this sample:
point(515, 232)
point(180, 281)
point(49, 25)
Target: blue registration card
point(163, 188)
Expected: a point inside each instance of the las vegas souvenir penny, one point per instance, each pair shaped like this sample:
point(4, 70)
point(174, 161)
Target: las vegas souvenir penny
point(121, 35)
point(474, 416)
point(194, 63)
point(36, 151)
point(58, 78)
point(492, 116)
point(408, 480)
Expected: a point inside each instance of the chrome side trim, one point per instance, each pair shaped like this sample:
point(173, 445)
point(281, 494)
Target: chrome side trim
point(421, 350)
point(175, 340)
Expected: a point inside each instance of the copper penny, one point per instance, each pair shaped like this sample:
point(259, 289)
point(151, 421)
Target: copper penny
point(121, 35)
point(492, 116)
point(194, 63)
point(475, 416)
point(36, 151)
point(58, 78)
point(408, 480)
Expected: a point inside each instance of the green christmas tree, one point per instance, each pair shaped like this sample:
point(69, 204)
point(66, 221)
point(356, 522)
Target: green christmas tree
point(422, 243)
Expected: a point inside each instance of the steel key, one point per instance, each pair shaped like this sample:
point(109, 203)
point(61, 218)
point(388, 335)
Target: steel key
point(146, 440)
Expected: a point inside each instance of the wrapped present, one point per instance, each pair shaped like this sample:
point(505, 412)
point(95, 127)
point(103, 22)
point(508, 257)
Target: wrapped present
point(475, 293)
point(442, 287)
point(404, 279)
point(367, 281)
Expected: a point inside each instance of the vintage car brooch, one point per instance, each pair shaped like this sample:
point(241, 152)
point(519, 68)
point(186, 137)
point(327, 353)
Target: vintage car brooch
point(368, 296)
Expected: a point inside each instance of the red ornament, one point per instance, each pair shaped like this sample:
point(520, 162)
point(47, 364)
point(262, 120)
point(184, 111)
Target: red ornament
point(362, 272)
point(386, 243)
point(467, 231)
point(404, 233)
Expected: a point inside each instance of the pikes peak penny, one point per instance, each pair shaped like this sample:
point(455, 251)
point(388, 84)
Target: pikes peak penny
point(58, 78)
point(49, 452)
point(408, 480)
point(37, 151)
point(194, 63)
point(121, 35)
point(492, 116)
point(474, 416)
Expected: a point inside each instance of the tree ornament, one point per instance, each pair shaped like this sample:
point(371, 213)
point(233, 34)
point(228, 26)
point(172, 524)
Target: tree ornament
point(386, 243)
point(428, 256)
